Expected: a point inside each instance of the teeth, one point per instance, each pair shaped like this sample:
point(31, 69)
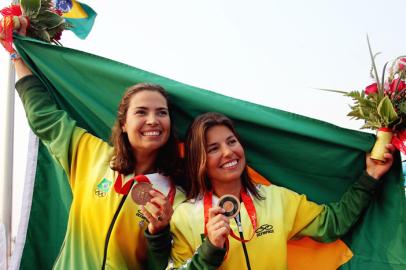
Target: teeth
point(230, 164)
point(151, 133)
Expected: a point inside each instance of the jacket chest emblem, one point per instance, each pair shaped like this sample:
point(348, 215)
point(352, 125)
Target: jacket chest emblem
point(103, 187)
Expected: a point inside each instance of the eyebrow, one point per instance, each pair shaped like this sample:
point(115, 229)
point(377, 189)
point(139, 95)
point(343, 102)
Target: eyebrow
point(157, 109)
point(212, 144)
point(228, 138)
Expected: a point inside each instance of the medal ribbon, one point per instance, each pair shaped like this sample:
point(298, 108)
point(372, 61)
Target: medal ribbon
point(249, 206)
point(125, 189)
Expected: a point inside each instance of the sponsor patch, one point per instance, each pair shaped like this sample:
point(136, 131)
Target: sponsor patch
point(264, 229)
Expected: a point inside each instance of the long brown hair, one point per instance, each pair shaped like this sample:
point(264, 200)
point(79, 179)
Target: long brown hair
point(196, 158)
point(123, 160)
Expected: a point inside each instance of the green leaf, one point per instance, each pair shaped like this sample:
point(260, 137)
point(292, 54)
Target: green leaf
point(30, 8)
point(386, 111)
point(50, 19)
point(380, 90)
point(43, 35)
point(332, 90)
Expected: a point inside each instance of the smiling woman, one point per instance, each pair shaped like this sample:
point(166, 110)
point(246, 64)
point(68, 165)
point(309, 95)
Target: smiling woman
point(270, 216)
point(143, 125)
point(144, 150)
point(225, 160)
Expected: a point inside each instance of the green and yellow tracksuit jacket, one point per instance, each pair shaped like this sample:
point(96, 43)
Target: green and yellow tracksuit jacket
point(281, 216)
point(91, 242)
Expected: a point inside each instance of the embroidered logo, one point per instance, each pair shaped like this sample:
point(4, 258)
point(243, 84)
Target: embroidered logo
point(103, 187)
point(143, 221)
point(264, 229)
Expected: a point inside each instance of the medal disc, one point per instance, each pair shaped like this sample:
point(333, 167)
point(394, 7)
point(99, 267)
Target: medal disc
point(140, 193)
point(230, 204)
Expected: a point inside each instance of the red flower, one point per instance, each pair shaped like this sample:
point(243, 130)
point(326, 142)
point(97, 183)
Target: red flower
point(13, 10)
point(398, 85)
point(399, 140)
point(371, 89)
point(58, 11)
point(58, 36)
point(401, 63)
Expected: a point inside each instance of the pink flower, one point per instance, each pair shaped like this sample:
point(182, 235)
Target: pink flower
point(394, 85)
point(371, 89)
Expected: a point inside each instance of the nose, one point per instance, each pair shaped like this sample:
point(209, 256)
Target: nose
point(152, 119)
point(227, 151)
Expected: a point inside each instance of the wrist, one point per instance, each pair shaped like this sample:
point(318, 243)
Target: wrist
point(14, 56)
point(213, 254)
point(156, 229)
point(373, 175)
point(217, 243)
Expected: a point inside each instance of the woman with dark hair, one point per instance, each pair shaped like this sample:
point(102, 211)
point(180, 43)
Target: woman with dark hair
point(269, 215)
point(121, 194)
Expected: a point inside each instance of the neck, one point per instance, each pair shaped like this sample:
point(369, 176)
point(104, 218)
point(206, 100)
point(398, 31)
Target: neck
point(144, 163)
point(221, 188)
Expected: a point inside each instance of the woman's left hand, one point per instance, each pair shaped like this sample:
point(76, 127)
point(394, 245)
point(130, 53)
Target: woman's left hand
point(19, 25)
point(376, 168)
point(158, 211)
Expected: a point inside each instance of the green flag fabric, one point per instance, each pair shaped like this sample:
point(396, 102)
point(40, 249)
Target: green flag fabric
point(303, 154)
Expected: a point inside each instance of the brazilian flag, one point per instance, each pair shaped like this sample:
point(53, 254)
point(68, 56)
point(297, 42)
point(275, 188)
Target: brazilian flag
point(303, 154)
point(79, 15)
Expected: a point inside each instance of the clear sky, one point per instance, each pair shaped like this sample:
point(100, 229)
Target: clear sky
point(265, 51)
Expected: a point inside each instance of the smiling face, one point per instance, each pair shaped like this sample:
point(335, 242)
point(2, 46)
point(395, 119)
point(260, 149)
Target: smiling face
point(225, 156)
point(147, 122)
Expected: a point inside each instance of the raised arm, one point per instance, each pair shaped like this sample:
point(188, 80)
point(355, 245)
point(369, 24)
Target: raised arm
point(52, 125)
point(21, 68)
point(336, 219)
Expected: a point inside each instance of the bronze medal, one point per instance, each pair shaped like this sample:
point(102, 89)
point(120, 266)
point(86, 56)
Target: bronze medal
point(140, 193)
point(230, 204)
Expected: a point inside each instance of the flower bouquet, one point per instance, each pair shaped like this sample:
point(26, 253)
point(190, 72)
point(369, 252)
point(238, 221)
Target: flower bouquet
point(38, 19)
point(382, 105)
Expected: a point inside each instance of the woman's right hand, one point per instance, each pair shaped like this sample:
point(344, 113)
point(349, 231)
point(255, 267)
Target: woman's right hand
point(218, 227)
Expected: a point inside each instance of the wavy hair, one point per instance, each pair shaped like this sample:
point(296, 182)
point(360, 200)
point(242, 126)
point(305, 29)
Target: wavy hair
point(196, 158)
point(123, 160)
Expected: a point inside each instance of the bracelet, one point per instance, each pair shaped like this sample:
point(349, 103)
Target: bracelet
point(14, 56)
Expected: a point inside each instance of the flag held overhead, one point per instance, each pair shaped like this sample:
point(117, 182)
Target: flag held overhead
point(91, 98)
